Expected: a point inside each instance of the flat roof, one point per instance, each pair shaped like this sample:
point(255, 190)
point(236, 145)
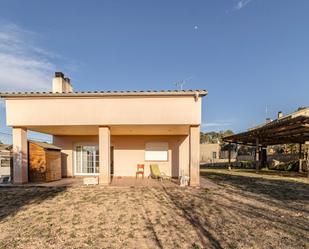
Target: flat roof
point(200, 93)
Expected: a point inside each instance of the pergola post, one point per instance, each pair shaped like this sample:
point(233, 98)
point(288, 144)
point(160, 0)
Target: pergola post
point(230, 164)
point(264, 157)
point(300, 159)
point(257, 155)
point(307, 162)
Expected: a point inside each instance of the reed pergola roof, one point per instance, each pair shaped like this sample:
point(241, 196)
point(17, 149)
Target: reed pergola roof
point(279, 131)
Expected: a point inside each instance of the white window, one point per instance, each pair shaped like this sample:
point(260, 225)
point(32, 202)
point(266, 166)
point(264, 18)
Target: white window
point(86, 160)
point(156, 151)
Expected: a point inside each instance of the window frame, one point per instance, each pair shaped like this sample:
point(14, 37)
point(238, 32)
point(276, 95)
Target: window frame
point(156, 160)
point(81, 159)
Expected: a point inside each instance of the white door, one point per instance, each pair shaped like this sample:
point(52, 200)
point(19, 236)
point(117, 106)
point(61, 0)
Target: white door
point(86, 160)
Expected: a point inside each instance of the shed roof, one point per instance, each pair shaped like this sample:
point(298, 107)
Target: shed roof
point(293, 128)
point(5, 147)
point(200, 93)
point(44, 145)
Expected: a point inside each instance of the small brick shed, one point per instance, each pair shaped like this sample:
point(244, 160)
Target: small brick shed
point(44, 162)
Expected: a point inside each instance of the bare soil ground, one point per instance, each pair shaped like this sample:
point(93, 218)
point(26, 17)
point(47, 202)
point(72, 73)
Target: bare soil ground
point(229, 211)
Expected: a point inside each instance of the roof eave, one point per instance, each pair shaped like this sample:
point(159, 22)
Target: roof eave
point(201, 93)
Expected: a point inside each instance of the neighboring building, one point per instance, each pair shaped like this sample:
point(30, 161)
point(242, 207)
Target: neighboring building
point(104, 133)
point(5, 160)
point(209, 153)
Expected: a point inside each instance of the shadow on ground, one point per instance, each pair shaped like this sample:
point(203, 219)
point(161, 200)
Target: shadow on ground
point(276, 189)
point(14, 199)
point(242, 210)
point(238, 212)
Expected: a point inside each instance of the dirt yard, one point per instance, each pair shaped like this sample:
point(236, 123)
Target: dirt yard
point(229, 211)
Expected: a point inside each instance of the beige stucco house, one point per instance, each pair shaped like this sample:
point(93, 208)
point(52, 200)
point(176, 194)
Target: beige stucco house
point(210, 153)
point(109, 133)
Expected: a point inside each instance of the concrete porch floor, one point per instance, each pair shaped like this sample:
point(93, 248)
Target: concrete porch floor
point(141, 182)
point(116, 182)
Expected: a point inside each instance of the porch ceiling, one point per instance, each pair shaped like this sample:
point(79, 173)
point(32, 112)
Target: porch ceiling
point(115, 130)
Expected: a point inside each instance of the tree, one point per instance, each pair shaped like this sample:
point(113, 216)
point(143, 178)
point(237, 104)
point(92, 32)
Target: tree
point(214, 137)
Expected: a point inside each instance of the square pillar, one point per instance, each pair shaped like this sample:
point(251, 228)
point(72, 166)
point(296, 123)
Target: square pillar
point(194, 150)
point(104, 158)
point(20, 156)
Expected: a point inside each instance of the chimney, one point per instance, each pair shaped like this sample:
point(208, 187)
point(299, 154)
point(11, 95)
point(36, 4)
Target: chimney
point(61, 84)
point(280, 114)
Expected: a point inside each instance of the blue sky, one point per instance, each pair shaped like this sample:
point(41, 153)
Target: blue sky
point(248, 54)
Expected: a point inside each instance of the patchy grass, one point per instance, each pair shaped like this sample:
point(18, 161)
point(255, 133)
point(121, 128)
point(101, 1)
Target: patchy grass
point(232, 211)
point(264, 174)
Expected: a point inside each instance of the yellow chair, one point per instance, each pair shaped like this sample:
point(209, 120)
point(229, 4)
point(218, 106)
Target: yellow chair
point(157, 174)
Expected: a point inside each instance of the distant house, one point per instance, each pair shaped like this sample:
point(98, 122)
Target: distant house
point(5, 160)
point(109, 133)
point(209, 153)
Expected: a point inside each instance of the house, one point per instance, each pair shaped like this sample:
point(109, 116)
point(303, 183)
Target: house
point(44, 162)
point(5, 161)
point(210, 152)
point(109, 133)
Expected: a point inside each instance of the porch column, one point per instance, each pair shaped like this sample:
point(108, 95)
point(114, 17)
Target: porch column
point(104, 158)
point(194, 155)
point(20, 156)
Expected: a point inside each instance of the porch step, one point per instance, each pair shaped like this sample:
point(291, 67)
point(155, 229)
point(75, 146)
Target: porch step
point(90, 181)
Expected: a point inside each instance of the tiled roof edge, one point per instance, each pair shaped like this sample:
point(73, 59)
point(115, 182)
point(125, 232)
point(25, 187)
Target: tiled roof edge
point(105, 93)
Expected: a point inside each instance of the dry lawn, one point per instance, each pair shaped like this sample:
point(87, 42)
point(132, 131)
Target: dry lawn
point(230, 211)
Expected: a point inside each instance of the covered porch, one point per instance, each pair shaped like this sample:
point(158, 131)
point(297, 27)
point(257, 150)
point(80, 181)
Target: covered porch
point(113, 152)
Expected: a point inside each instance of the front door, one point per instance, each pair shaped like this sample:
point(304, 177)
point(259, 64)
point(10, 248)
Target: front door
point(86, 160)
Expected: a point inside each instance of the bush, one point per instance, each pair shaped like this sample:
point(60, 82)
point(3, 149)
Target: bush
point(286, 166)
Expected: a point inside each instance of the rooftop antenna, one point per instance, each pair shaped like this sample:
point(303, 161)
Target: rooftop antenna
point(181, 83)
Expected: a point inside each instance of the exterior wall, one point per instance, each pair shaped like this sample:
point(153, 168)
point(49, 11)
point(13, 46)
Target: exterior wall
point(67, 143)
point(153, 110)
point(206, 152)
point(5, 171)
point(130, 151)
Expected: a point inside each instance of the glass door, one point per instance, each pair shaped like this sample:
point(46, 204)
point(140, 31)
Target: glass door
point(86, 160)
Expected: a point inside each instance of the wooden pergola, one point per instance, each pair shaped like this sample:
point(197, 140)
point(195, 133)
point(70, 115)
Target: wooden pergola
point(280, 131)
